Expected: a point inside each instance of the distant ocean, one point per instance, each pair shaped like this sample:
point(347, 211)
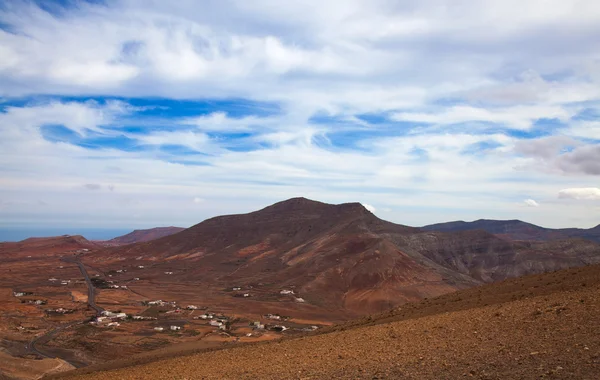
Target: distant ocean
point(20, 233)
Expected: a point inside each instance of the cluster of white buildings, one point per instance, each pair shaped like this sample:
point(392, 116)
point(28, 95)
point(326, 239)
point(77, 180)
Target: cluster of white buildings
point(118, 287)
point(162, 303)
point(142, 318)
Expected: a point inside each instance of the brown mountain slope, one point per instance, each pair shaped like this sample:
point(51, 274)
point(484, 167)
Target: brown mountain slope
point(138, 236)
point(542, 326)
point(340, 257)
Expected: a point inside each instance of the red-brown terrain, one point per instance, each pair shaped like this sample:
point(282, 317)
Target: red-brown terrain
point(295, 265)
point(534, 327)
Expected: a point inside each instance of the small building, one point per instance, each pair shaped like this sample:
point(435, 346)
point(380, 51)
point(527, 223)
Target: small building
point(158, 329)
point(300, 300)
point(175, 328)
point(18, 294)
point(168, 272)
point(192, 307)
point(246, 295)
point(215, 323)
point(236, 288)
point(113, 324)
point(136, 279)
point(141, 266)
point(52, 279)
point(286, 292)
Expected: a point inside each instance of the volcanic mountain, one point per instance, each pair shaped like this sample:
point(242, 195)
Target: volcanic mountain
point(340, 257)
point(138, 236)
point(517, 230)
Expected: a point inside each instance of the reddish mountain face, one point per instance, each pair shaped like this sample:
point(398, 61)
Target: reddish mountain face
point(517, 230)
point(139, 236)
point(341, 256)
point(46, 246)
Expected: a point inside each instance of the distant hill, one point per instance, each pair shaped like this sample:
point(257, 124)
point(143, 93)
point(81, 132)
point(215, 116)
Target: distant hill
point(47, 246)
point(139, 236)
point(342, 257)
point(517, 230)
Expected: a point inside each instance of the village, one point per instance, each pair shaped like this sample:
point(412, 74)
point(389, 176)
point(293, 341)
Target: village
point(126, 311)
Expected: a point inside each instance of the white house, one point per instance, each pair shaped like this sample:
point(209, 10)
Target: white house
point(300, 300)
point(286, 292)
point(137, 279)
point(18, 294)
point(215, 323)
point(141, 266)
point(236, 288)
point(168, 272)
point(158, 329)
point(192, 307)
point(115, 324)
point(175, 328)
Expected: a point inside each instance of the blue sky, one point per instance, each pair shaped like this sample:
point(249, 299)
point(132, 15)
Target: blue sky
point(133, 114)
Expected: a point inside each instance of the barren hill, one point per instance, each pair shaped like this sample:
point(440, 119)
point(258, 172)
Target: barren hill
point(342, 257)
point(45, 245)
point(517, 230)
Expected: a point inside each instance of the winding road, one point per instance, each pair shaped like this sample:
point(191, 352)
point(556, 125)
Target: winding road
point(91, 301)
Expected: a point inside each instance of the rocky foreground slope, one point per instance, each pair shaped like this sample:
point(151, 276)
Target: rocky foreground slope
point(543, 326)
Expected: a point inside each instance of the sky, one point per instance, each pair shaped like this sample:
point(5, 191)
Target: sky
point(142, 113)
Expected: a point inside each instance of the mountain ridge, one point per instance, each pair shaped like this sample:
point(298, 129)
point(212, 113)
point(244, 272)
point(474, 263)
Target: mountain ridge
point(515, 229)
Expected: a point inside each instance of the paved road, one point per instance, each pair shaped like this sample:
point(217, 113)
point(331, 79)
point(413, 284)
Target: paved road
point(91, 289)
point(91, 302)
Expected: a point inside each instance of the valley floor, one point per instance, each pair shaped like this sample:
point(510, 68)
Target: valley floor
point(545, 326)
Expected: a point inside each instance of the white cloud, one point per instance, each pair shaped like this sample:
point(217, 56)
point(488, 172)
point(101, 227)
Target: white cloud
point(587, 193)
point(517, 117)
point(531, 203)
point(369, 207)
point(198, 200)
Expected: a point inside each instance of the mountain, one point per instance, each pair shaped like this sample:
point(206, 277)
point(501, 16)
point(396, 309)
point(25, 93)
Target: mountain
point(340, 257)
point(517, 230)
point(138, 236)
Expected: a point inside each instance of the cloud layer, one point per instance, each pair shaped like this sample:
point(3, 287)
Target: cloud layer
point(119, 113)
